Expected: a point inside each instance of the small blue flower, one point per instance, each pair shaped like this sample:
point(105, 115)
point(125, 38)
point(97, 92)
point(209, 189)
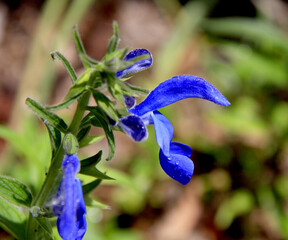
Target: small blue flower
point(69, 203)
point(139, 65)
point(174, 157)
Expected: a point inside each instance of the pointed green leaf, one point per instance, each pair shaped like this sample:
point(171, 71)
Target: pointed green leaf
point(84, 131)
point(48, 116)
point(91, 161)
point(105, 104)
point(115, 89)
point(45, 225)
point(79, 86)
point(15, 192)
point(67, 65)
point(38, 228)
point(113, 43)
point(94, 172)
point(86, 121)
point(67, 102)
point(137, 90)
point(86, 60)
point(55, 137)
point(88, 140)
point(100, 116)
point(89, 187)
point(12, 220)
point(88, 167)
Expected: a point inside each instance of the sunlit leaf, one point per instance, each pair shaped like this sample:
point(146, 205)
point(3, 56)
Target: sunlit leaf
point(12, 220)
point(48, 116)
point(15, 192)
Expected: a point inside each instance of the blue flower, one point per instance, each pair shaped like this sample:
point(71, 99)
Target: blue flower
point(139, 65)
point(174, 157)
point(69, 203)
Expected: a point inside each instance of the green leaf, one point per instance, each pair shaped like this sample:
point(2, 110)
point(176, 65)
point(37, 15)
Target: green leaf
point(84, 131)
point(91, 161)
point(113, 43)
point(48, 116)
point(100, 116)
point(86, 60)
point(115, 89)
point(55, 138)
point(89, 187)
point(88, 167)
point(12, 220)
point(105, 104)
point(39, 228)
point(46, 226)
point(67, 65)
point(67, 102)
point(70, 144)
point(137, 90)
point(15, 192)
point(79, 86)
point(88, 140)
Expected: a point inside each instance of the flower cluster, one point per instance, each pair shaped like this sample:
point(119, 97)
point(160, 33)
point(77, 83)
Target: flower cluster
point(174, 157)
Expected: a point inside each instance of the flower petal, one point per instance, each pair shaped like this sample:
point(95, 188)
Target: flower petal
point(163, 131)
point(139, 65)
point(73, 161)
point(176, 89)
point(180, 148)
point(134, 127)
point(130, 101)
point(66, 221)
point(81, 224)
point(179, 167)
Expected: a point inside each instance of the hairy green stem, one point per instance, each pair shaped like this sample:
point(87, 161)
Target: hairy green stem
point(54, 170)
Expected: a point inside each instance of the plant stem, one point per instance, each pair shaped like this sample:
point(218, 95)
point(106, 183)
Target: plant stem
point(54, 170)
point(57, 161)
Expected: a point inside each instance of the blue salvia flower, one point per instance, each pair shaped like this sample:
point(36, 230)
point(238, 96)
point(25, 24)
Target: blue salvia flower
point(69, 203)
point(139, 65)
point(174, 157)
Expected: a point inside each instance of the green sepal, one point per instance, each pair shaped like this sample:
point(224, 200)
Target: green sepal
point(114, 40)
point(68, 101)
point(84, 131)
point(125, 64)
point(70, 144)
point(48, 116)
point(55, 138)
point(86, 60)
point(12, 220)
point(104, 122)
point(135, 90)
point(67, 65)
point(86, 121)
point(115, 89)
point(88, 167)
point(105, 104)
point(79, 86)
point(88, 140)
point(15, 192)
point(89, 187)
